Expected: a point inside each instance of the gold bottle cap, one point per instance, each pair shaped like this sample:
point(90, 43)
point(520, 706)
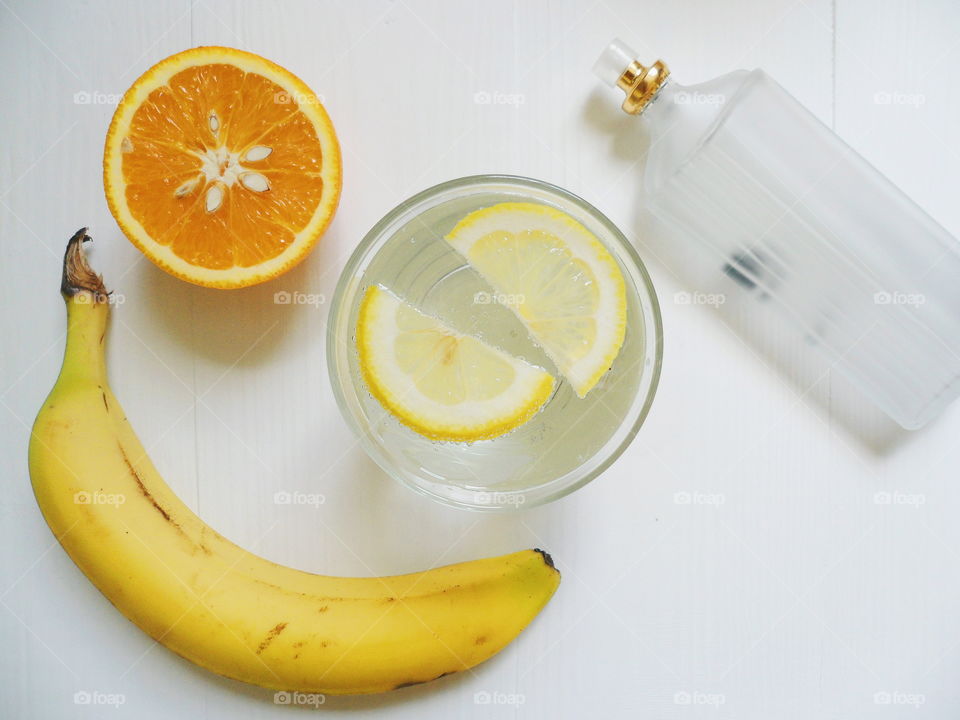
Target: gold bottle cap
point(618, 67)
point(641, 84)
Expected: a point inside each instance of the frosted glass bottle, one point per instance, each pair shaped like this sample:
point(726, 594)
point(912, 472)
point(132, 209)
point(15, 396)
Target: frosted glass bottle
point(769, 196)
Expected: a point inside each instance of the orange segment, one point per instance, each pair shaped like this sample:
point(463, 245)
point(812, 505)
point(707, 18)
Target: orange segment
point(222, 167)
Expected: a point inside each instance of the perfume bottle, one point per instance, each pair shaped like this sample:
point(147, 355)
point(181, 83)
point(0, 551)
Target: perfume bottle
point(763, 194)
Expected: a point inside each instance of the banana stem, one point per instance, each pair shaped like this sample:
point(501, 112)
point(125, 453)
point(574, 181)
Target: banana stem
point(87, 313)
point(77, 275)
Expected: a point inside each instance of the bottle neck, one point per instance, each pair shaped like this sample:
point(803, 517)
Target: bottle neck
point(680, 117)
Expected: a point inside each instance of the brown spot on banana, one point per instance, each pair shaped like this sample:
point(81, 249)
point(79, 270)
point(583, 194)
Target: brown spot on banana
point(143, 489)
point(411, 683)
point(274, 631)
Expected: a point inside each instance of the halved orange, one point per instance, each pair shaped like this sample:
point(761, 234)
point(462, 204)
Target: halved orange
point(222, 167)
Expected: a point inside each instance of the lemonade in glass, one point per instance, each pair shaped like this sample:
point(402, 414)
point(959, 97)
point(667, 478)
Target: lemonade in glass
point(552, 389)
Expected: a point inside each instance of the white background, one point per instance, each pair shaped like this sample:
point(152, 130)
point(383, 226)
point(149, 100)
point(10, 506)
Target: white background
point(795, 594)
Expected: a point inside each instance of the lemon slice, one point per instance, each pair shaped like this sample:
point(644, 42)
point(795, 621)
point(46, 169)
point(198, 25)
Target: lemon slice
point(560, 280)
point(441, 383)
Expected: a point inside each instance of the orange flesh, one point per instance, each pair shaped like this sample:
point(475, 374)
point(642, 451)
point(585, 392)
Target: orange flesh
point(168, 137)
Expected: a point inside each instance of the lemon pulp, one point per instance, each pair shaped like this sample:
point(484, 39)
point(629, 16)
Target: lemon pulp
point(558, 278)
point(443, 384)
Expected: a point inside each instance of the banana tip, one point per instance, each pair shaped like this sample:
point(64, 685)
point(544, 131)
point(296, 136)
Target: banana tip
point(546, 558)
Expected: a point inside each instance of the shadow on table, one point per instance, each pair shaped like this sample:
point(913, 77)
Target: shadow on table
point(819, 385)
point(246, 326)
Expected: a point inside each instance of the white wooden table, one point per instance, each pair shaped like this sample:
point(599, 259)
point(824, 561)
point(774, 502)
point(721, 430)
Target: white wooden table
point(799, 593)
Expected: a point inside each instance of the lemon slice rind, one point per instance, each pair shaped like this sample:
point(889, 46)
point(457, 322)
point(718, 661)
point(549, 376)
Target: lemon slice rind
point(609, 314)
point(397, 390)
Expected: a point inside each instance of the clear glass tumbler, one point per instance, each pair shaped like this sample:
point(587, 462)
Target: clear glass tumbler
point(565, 445)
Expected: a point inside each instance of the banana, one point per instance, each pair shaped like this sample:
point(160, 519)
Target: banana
point(220, 606)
